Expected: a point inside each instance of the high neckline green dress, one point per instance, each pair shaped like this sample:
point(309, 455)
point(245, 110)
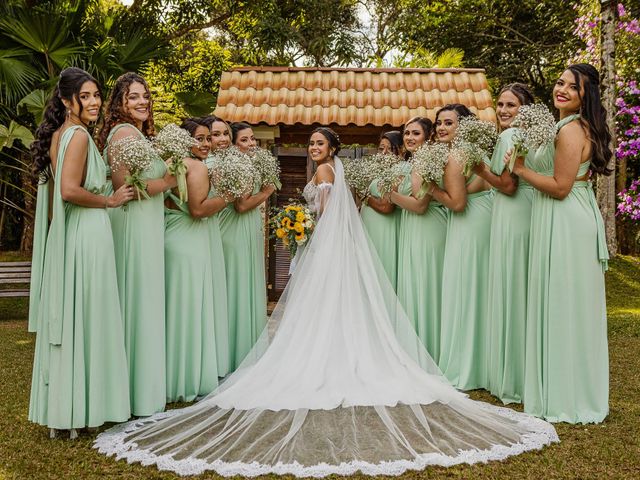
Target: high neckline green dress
point(192, 369)
point(567, 360)
point(80, 365)
point(138, 237)
point(421, 245)
point(507, 280)
point(463, 349)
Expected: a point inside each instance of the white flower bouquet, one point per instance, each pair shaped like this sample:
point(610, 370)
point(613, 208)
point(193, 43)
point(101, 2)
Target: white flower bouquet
point(389, 178)
point(535, 126)
point(360, 173)
point(231, 172)
point(474, 142)
point(266, 166)
point(429, 161)
point(136, 155)
point(174, 143)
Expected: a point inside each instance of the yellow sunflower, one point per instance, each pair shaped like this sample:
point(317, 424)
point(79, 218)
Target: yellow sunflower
point(280, 233)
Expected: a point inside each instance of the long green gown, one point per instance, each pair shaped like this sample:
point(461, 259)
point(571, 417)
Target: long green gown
point(219, 291)
point(192, 369)
point(507, 280)
point(463, 348)
point(421, 247)
point(567, 360)
point(383, 232)
point(243, 248)
point(80, 366)
point(138, 234)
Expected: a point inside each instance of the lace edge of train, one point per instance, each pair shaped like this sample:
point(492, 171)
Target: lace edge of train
point(112, 442)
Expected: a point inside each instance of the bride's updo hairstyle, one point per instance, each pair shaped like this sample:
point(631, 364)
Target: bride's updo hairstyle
point(594, 115)
point(115, 111)
point(68, 88)
point(331, 136)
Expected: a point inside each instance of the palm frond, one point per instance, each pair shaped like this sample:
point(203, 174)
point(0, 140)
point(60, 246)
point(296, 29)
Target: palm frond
point(451, 58)
point(35, 103)
point(137, 48)
point(17, 75)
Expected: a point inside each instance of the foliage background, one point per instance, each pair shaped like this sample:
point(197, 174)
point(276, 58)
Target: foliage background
point(183, 46)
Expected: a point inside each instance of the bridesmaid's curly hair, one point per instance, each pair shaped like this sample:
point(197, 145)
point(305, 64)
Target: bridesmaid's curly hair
point(115, 111)
point(594, 115)
point(68, 88)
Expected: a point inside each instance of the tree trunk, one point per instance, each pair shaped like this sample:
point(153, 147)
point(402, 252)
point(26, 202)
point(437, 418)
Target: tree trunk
point(28, 184)
point(606, 192)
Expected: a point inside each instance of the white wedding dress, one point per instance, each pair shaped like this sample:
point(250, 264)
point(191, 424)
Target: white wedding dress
point(338, 382)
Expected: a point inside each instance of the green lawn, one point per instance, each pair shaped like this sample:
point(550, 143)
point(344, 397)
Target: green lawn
point(609, 450)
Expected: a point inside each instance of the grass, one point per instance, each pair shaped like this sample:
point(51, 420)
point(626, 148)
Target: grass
point(608, 450)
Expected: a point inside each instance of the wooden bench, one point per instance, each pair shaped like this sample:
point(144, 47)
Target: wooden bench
point(15, 273)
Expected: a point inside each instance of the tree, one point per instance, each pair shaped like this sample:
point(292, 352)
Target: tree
point(606, 190)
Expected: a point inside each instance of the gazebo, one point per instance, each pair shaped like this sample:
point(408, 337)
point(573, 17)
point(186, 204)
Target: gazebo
point(284, 104)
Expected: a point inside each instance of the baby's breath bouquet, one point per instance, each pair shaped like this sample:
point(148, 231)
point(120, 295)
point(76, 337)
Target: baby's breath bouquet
point(429, 161)
point(136, 155)
point(360, 173)
point(389, 178)
point(535, 126)
point(293, 224)
point(474, 141)
point(231, 172)
point(174, 143)
point(266, 166)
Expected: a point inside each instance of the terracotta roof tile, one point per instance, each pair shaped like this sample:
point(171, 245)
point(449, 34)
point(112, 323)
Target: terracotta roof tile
point(281, 95)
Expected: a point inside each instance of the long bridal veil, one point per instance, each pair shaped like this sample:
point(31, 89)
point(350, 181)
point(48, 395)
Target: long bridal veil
point(338, 382)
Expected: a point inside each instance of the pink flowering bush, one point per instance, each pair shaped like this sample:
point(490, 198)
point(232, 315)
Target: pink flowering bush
point(629, 202)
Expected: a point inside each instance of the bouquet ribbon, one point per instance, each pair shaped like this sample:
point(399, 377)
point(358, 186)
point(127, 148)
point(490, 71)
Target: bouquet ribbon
point(179, 170)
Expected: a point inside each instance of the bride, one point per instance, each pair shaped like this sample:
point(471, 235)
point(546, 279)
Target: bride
point(338, 382)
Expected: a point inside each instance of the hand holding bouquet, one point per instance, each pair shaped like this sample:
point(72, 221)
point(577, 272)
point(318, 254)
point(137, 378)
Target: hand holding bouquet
point(266, 166)
point(231, 173)
point(173, 144)
point(389, 178)
point(429, 161)
point(293, 225)
point(136, 155)
point(474, 141)
point(360, 173)
point(535, 126)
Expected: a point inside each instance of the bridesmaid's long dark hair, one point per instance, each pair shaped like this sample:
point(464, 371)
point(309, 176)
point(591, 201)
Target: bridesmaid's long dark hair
point(192, 124)
point(68, 88)
point(395, 139)
point(595, 116)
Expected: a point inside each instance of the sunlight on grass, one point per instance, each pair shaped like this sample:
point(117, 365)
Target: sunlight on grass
point(608, 450)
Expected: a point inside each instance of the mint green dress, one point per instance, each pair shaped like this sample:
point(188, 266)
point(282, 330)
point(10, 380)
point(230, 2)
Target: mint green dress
point(138, 237)
point(192, 369)
point(567, 361)
point(219, 292)
point(463, 348)
point(80, 366)
point(507, 280)
point(243, 248)
point(383, 232)
point(421, 246)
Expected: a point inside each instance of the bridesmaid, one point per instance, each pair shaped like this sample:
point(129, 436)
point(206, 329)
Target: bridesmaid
point(192, 369)
point(200, 129)
point(380, 217)
point(242, 231)
point(421, 243)
point(508, 255)
point(80, 365)
point(138, 233)
point(463, 349)
point(567, 361)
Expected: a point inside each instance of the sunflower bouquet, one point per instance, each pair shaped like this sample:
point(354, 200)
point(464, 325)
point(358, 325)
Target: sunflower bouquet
point(231, 172)
point(293, 224)
point(136, 155)
point(266, 166)
point(474, 142)
point(535, 126)
point(174, 143)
